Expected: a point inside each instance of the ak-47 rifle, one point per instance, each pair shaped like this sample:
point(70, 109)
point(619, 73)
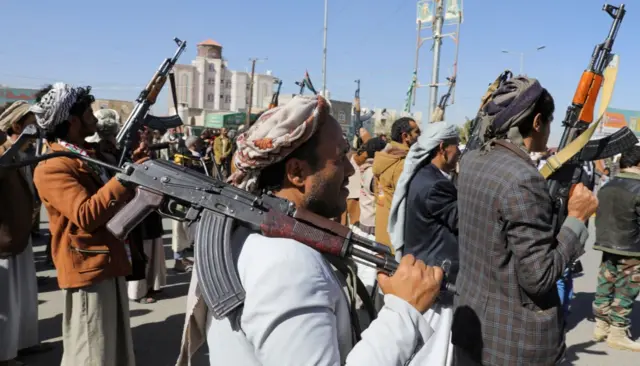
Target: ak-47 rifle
point(438, 114)
point(274, 98)
point(127, 136)
point(215, 209)
point(302, 85)
point(564, 169)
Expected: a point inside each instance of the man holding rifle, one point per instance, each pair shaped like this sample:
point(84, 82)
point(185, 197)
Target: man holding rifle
point(296, 311)
point(90, 262)
point(508, 311)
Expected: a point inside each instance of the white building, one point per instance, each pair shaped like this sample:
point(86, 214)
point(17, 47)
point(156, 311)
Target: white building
point(209, 86)
point(384, 119)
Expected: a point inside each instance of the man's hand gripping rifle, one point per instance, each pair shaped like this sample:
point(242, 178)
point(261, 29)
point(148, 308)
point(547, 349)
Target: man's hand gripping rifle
point(216, 207)
point(127, 136)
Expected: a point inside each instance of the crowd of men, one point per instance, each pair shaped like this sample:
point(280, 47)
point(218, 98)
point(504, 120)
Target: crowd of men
point(491, 232)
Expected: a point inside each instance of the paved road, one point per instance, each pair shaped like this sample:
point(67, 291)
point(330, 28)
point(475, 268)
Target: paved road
point(157, 328)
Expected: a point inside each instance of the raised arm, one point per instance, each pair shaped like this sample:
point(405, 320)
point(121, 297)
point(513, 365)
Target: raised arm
point(527, 213)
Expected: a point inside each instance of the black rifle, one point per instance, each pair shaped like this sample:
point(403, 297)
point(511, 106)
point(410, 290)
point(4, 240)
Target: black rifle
point(128, 135)
point(214, 208)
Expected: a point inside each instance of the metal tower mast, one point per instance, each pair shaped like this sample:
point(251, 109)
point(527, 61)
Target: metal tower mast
point(434, 15)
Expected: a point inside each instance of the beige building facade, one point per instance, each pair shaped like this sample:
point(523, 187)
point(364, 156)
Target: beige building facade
point(209, 86)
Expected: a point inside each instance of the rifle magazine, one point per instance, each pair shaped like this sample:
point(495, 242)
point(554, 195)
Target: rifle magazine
point(215, 265)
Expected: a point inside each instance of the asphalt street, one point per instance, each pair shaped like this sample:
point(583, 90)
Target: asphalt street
point(157, 328)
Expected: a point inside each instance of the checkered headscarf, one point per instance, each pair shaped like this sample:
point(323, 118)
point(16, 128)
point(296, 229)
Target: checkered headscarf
point(55, 106)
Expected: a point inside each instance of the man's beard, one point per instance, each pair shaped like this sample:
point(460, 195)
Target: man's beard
point(324, 203)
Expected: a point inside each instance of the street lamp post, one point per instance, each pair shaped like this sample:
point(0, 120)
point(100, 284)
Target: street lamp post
point(247, 121)
point(522, 56)
point(324, 49)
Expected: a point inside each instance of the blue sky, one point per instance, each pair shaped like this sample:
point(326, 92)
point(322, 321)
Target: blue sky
point(117, 45)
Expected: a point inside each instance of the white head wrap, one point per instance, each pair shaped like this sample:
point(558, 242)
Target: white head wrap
point(431, 137)
point(191, 141)
point(275, 135)
point(54, 107)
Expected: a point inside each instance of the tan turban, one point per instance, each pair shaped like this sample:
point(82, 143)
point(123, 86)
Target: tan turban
point(14, 113)
point(275, 135)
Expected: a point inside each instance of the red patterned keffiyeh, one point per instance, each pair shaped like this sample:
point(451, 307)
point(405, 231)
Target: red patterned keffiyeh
point(277, 133)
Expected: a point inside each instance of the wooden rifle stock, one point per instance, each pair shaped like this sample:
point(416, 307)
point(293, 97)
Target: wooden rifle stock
point(155, 87)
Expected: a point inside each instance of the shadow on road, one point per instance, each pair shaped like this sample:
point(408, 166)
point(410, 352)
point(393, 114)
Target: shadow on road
point(580, 309)
point(158, 343)
point(571, 354)
point(138, 312)
point(49, 328)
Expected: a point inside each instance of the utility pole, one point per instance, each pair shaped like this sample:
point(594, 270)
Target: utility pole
point(437, 43)
point(324, 51)
point(253, 70)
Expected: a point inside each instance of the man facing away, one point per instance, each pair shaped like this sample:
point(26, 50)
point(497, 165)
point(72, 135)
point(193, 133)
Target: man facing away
point(90, 262)
point(424, 222)
point(296, 311)
point(387, 167)
point(508, 311)
point(618, 237)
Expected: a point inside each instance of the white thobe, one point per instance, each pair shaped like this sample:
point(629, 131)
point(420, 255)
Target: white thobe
point(438, 350)
point(18, 304)
point(156, 270)
point(296, 313)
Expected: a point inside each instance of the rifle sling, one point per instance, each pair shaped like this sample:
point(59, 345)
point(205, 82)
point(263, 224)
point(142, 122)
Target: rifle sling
point(172, 82)
point(556, 161)
point(362, 292)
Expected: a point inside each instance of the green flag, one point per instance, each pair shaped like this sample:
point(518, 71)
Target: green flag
point(414, 80)
point(307, 83)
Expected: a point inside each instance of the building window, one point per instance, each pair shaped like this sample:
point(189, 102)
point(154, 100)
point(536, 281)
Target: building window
point(212, 81)
point(212, 67)
point(342, 117)
point(221, 96)
point(227, 99)
point(228, 84)
point(210, 97)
